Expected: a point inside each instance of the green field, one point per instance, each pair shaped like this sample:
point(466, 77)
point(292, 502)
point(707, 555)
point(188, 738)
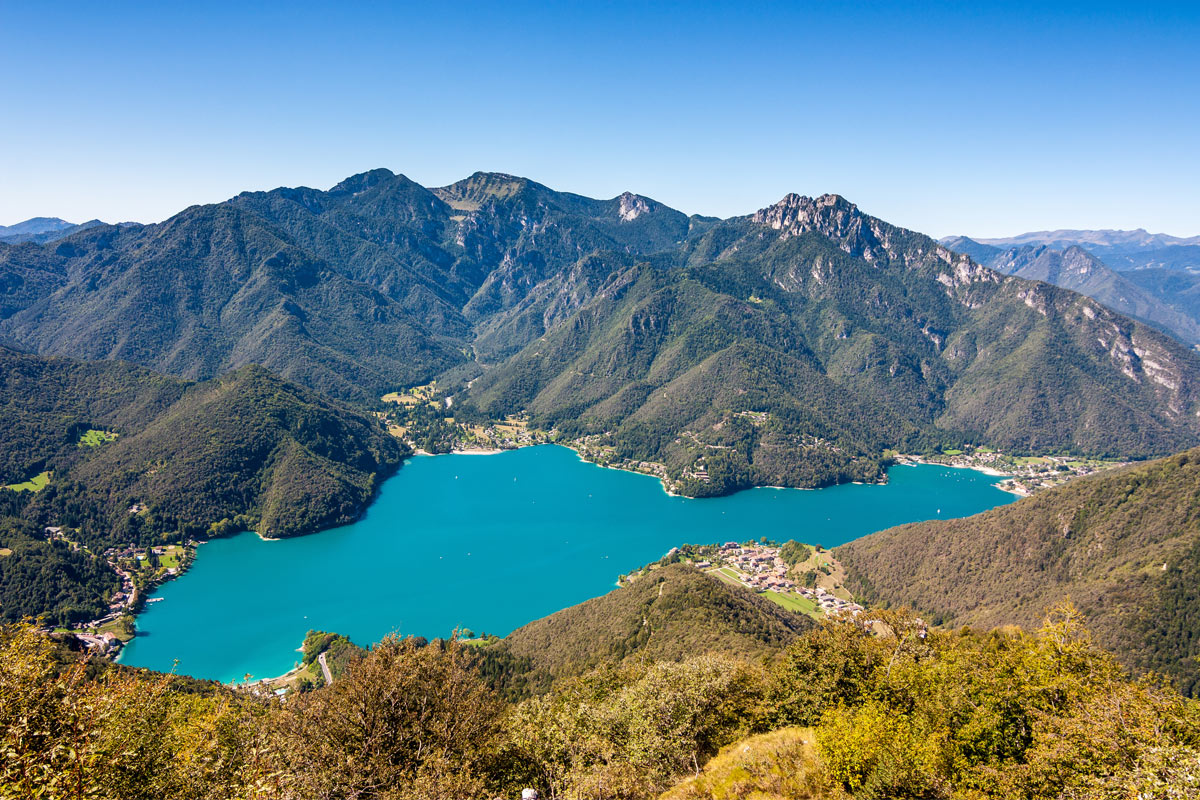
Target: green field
point(116, 629)
point(1025, 461)
point(800, 605)
point(171, 557)
point(34, 484)
point(95, 438)
point(952, 452)
point(795, 603)
point(728, 575)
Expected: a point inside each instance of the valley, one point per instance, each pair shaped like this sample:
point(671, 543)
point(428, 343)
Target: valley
point(808, 345)
point(600, 401)
point(788, 347)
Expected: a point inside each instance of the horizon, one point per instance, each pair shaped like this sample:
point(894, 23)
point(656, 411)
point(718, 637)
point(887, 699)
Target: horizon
point(949, 120)
point(566, 191)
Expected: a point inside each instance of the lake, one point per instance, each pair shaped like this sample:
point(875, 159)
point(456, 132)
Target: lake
point(490, 543)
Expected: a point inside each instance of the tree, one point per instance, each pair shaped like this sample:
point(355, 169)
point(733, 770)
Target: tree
point(411, 719)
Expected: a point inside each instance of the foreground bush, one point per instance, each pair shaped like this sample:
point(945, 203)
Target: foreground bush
point(880, 710)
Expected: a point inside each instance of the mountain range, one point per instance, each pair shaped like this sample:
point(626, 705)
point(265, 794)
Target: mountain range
point(1073, 267)
point(217, 372)
point(790, 347)
point(43, 229)
point(1063, 238)
point(1120, 250)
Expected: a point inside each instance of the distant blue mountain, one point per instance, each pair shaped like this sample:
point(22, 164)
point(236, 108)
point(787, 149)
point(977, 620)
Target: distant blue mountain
point(43, 229)
point(1121, 250)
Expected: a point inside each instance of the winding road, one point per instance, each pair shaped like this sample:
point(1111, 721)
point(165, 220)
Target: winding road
point(325, 669)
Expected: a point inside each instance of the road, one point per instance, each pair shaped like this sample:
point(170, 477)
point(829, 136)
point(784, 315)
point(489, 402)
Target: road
point(325, 669)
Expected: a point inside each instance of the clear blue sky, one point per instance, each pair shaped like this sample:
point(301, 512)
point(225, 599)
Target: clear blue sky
point(986, 119)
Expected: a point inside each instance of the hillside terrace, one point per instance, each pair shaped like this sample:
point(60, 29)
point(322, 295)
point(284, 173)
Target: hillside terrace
point(762, 569)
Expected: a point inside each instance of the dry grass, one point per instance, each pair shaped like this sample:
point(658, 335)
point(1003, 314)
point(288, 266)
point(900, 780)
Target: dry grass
point(781, 765)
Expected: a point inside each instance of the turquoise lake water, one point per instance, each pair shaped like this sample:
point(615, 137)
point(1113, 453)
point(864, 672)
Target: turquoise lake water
point(490, 543)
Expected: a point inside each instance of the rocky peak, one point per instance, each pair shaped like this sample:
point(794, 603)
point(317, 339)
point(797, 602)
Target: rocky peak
point(631, 206)
point(483, 187)
point(830, 215)
point(795, 214)
point(874, 241)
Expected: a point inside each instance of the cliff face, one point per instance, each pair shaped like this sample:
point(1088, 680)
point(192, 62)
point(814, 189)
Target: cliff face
point(1077, 269)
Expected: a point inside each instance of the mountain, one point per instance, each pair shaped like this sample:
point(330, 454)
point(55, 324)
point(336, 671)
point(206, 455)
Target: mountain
point(1178, 289)
point(1123, 545)
point(668, 615)
point(36, 225)
point(212, 289)
point(788, 347)
point(1121, 250)
point(43, 229)
point(1076, 269)
point(247, 450)
point(1100, 238)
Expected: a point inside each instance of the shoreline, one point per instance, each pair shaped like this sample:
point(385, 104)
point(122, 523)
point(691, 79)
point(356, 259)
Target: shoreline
point(902, 460)
point(913, 460)
point(289, 676)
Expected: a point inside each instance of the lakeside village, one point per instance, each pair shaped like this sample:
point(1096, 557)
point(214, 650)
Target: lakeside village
point(424, 418)
point(802, 578)
point(1023, 475)
point(140, 569)
point(426, 422)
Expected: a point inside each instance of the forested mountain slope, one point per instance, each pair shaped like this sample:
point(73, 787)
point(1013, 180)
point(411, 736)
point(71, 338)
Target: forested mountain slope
point(1080, 271)
point(48, 578)
point(791, 347)
point(211, 289)
point(667, 615)
point(1178, 288)
point(1124, 546)
point(897, 712)
point(247, 448)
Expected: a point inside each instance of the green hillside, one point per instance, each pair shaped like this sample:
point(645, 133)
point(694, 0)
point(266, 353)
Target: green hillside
point(1124, 546)
point(211, 289)
point(244, 450)
point(48, 579)
point(792, 348)
point(667, 615)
